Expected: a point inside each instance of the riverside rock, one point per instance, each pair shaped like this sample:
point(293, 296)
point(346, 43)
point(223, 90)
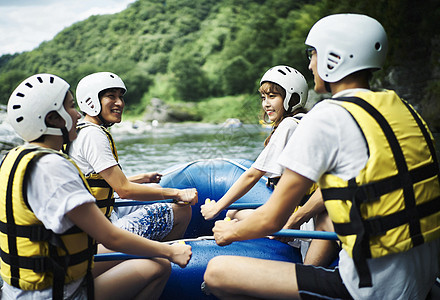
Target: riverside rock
point(163, 112)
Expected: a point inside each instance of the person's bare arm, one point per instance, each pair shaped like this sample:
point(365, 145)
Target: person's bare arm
point(151, 177)
point(269, 217)
point(91, 220)
point(243, 184)
point(311, 208)
point(130, 190)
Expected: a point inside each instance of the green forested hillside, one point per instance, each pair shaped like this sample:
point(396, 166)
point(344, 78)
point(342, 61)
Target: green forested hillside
point(186, 50)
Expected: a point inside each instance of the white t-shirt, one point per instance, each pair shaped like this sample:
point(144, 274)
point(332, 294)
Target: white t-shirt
point(92, 153)
point(267, 160)
point(55, 189)
point(91, 150)
point(332, 142)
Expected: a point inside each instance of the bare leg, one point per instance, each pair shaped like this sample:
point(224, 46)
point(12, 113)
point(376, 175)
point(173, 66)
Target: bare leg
point(182, 217)
point(322, 252)
point(102, 266)
point(133, 279)
point(236, 277)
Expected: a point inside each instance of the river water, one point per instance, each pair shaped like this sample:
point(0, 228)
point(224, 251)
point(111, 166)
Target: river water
point(167, 145)
point(160, 147)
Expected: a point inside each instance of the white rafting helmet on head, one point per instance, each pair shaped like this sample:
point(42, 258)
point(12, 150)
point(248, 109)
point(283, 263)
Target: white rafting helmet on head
point(291, 81)
point(346, 43)
point(90, 86)
point(32, 100)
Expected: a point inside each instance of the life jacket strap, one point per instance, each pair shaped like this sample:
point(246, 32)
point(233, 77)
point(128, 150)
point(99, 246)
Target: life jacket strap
point(42, 264)
point(372, 191)
point(361, 248)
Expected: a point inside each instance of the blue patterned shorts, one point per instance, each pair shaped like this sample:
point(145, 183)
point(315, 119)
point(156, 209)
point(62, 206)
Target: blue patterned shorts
point(152, 221)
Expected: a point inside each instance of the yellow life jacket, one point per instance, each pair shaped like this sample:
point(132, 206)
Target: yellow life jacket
point(33, 257)
point(101, 190)
point(393, 204)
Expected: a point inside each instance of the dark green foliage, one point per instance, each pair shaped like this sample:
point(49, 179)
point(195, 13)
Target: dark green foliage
point(192, 50)
point(188, 79)
point(236, 75)
point(6, 58)
point(9, 81)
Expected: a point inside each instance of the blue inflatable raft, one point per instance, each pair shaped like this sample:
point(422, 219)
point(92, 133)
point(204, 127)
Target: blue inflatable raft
point(212, 178)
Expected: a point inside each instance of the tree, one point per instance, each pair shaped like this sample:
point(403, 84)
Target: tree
point(237, 77)
point(189, 80)
point(8, 82)
point(137, 83)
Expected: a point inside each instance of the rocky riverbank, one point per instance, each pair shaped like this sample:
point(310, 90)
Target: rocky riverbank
point(8, 138)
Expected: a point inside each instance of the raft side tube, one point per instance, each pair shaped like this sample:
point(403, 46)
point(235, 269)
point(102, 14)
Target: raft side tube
point(185, 283)
point(212, 178)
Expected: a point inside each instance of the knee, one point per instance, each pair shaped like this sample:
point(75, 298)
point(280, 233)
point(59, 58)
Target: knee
point(214, 272)
point(163, 267)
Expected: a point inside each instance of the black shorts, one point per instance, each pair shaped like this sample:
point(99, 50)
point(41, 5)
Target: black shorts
point(320, 283)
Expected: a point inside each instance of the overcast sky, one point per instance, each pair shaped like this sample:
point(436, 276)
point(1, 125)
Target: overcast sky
point(24, 24)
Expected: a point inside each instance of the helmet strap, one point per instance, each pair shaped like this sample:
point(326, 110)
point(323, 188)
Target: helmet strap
point(327, 86)
point(294, 102)
point(101, 118)
point(66, 140)
point(104, 122)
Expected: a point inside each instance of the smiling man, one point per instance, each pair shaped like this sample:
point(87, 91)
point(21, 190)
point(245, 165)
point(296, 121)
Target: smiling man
point(101, 98)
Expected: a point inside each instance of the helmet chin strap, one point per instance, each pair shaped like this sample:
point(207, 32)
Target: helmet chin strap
point(327, 86)
point(104, 122)
point(66, 140)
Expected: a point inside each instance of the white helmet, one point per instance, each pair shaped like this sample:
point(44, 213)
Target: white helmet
point(90, 86)
point(32, 100)
point(346, 43)
point(291, 81)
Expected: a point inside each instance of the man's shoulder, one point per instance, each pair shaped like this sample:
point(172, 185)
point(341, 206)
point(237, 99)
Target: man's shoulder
point(325, 109)
point(289, 122)
point(87, 126)
point(55, 162)
point(90, 132)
